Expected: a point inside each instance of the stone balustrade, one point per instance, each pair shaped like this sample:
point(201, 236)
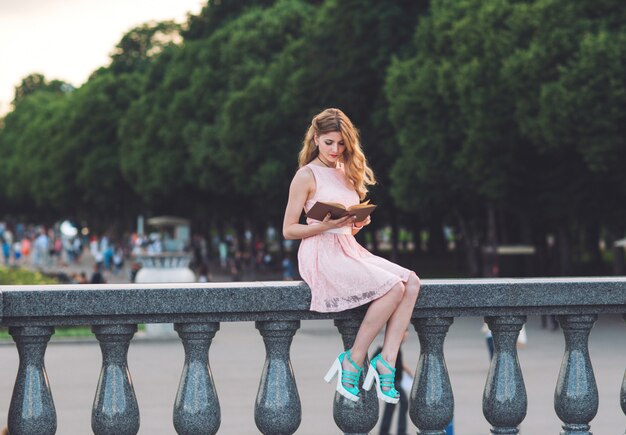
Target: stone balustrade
point(196, 310)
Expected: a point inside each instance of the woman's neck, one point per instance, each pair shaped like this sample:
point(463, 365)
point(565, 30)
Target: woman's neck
point(324, 163)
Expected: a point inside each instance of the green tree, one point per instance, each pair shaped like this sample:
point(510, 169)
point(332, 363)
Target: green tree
point(446, 106)
point(200, 129)
point(140, 45)
point(216, 14)
point(93, 118)
point(256, 133)
point(37, 82)
point(35, 162)
point(561, 81)
point(485, 109)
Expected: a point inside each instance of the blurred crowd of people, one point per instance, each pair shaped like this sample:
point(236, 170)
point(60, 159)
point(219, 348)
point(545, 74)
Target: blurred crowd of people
point(48, 248)
point(37, 245)
point(253, 257)
point(215, 258)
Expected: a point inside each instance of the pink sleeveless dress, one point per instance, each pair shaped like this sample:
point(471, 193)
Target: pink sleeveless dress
point(340, 272)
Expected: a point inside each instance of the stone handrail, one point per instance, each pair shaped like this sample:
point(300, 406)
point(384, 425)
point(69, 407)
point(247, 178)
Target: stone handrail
point(113, 311)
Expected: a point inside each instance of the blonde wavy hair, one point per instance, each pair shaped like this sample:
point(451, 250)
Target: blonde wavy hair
point(354, 162)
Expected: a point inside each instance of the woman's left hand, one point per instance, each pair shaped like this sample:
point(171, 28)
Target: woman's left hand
point(359, 225)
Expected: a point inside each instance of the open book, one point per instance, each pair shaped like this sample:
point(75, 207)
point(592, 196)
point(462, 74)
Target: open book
point(336, 210)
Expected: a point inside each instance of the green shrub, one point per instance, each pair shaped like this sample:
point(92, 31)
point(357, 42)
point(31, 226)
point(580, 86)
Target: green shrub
point(19, 276)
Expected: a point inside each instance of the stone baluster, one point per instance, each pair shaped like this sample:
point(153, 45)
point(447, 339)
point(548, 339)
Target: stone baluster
point(431, 406)
point(354, 418)
point(197, 407)
point(623, 391)
point(277, 410)
point(623, 395)
point(32, 408)
point(504, 398)
point(576, 394)
point(115, 409)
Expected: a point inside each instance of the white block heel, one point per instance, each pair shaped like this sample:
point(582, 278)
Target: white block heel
point(369, 379)
point(389, 396)
point(334, 370)
point(350, 378)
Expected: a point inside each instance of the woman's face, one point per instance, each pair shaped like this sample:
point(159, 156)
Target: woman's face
point(331, 146)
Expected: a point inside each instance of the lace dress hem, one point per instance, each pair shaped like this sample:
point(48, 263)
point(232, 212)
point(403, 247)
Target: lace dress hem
point(337, 304)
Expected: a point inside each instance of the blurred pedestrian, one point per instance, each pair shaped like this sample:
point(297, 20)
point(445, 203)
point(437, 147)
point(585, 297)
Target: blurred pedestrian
point(6, 240)
point(26, 247)
point(96, 276)
point(401, 369)
point(288, 271)
point(77, 249)
point(118, 259)
point(17, 251)
point(236, 266)
point(82, 278)
point(203, 273)
point(42, 249)
point(223, 254)
point(107, 255)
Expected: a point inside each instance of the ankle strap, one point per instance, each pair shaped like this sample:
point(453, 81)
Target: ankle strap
point(380, 358)
point(351, 361)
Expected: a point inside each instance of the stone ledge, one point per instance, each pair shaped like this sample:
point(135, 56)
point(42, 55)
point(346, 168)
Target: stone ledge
point(278, 300)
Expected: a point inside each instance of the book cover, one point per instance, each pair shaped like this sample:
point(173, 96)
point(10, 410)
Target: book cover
point(336, 210)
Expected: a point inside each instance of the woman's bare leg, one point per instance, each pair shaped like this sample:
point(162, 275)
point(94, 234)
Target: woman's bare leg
point(399, 321)
point(375, 318)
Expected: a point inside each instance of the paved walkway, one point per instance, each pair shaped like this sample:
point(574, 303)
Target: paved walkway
point(237, 357)
point(86, 265)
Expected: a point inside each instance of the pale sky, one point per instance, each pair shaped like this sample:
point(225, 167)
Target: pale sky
point(69, 39)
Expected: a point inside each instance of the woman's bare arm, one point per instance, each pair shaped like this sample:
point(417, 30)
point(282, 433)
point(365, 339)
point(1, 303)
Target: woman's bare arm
point(302, 185)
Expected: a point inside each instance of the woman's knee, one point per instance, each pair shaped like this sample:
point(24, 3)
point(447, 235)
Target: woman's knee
point(413, 285)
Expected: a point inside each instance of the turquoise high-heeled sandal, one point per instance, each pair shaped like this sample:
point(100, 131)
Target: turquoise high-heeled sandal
point(383, 380)
point(347, 382)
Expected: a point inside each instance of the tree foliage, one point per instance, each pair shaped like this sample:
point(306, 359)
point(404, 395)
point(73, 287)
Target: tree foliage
point(507, 107)
point(37, 82)
point(502, 118)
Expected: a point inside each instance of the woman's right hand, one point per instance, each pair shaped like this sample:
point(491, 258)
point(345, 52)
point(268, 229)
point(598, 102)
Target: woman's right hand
point(338, 223)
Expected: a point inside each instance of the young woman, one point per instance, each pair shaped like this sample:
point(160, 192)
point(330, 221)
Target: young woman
point(340, 272)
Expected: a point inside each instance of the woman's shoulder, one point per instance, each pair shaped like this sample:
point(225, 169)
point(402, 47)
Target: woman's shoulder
point(304, 176)
point(306, 172)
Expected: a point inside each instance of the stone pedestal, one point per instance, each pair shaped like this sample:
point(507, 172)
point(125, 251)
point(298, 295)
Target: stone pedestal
point(157, 269)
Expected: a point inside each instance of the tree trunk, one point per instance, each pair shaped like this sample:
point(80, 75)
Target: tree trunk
point(469, 245)
point(591, 246)
point(563, 243)
point(618, 261)
point(240, 230)
point(490, 253)
point(526, 237)
point(619, 267)
point(436, 241)
point(416, 236)
point(394, 236)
